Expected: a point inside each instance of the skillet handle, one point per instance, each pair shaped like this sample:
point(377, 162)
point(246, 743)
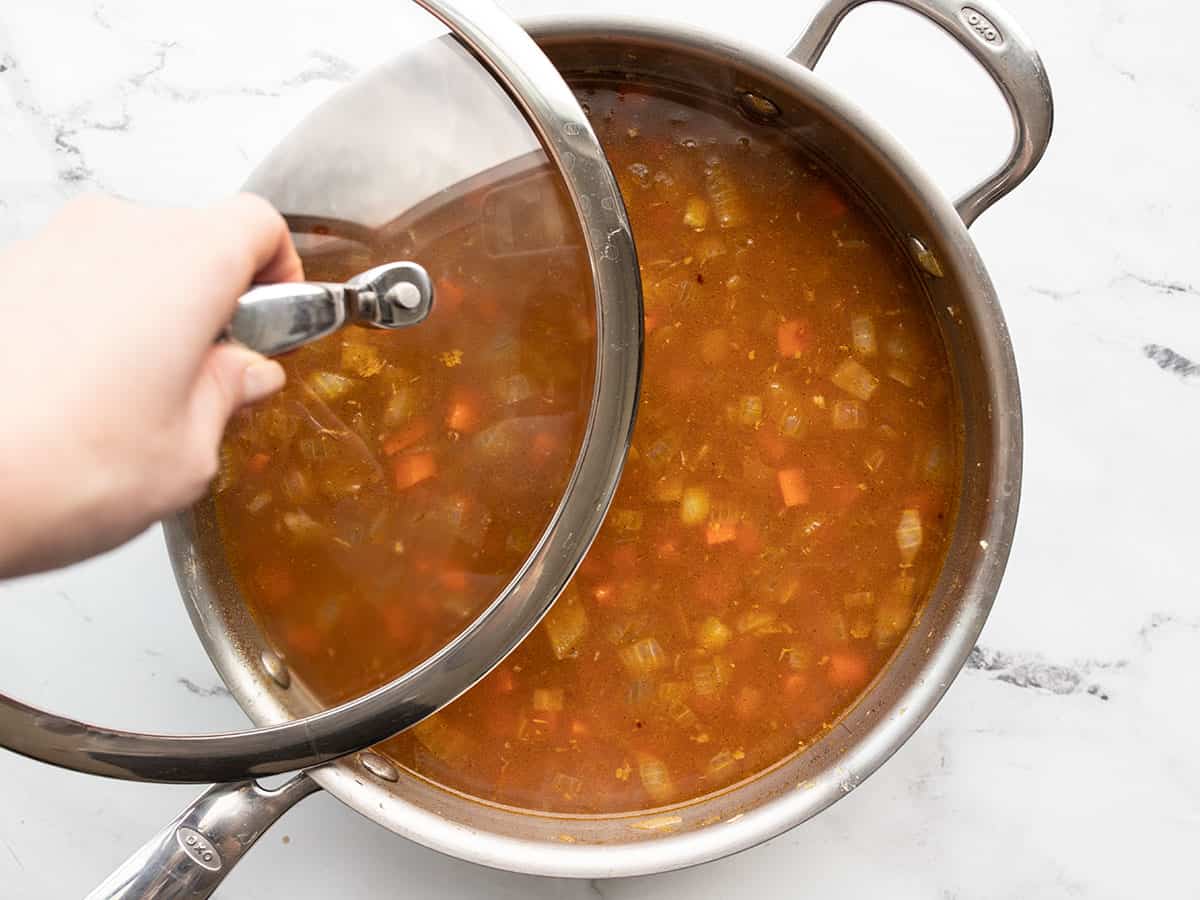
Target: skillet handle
point(997, 44)
point(190, 858)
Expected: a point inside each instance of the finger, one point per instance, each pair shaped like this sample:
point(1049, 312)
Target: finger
point(231, 377)
point(263, 241)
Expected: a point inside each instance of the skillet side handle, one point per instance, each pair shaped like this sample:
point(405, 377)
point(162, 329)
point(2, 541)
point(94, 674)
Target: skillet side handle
point(997, 44)
point(191, 856)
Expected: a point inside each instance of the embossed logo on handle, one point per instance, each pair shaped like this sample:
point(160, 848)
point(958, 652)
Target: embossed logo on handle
point(982, 26)
point(199, 848)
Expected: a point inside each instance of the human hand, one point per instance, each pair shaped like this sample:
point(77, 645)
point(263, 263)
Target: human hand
point(112, 391)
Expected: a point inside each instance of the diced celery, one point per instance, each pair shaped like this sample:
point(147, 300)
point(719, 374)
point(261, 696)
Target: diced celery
point(682, 715)
point(360, 359)
point(854, 378)
point(861, 623)
point(694, 505)
point(909, 535)
point(443, 740)
point(301, 524)
point(673, 692)
point(726, 200)
point(626, 522)
point(644, 657)
point(858, 599)
point(798, 656)
point(548, 699)
point(849, 415)
point(330, 386)
point(668, 489)
point(566, 624)
point(757, 621)
point(862, 335)
point(721, 765)
point(655, 778)
point(696, 214)
point(713, 634)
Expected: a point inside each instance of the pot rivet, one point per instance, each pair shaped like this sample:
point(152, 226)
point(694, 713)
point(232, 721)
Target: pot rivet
point(276, 668)
point(378, 766)
point(756, 106)
point(924, 257)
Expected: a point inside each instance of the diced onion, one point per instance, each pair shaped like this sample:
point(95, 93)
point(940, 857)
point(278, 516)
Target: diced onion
point(566, 786)
point(673, 692)
point(909, 535)
point(901, 376)
point(296, 486)
point(854, 378)
point(861, 624)
point(862, 335)
point(849, 415)
point(874, 459)
point(258, 502)
point(682, 715)
point(513, 389)
point(750, 409)
point(626, 522)
point(798, 657)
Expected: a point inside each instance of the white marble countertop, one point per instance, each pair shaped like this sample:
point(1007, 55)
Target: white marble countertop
point(1065, 761)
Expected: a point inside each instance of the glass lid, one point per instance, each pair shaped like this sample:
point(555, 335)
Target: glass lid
point(463, 364)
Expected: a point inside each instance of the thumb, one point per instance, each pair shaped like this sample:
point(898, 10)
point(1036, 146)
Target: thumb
point(231, 377)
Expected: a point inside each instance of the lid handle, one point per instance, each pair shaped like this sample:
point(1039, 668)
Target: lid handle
point(275, 318)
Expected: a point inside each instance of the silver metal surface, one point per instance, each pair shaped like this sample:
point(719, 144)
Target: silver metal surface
point(552, 111)
point(990, 35)
point(189, 858)
point(276, 318)
point(966, 309)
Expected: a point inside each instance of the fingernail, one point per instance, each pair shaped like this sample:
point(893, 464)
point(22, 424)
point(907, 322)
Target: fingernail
point(261, 379)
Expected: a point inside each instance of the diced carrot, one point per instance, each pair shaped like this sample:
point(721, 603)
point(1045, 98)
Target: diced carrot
point(795, 686)
point(720, 532)
point(749, 539)
point(303, 638)
point(793, 486)
point(544, 446)
point(773, 447)
point(579, 728)
point(405, 437)
point(453, 580)
point(275, 583)
point(503, 681)
point(258, 463)
point(793, 338)
point(413, 468)
point(604, 595)
point(464, 410)
point(625, 558)
point(448, 294)
point(829, 202)
point(667, 550)
point(398, 621)
point(747, 703)
point(847, 670)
